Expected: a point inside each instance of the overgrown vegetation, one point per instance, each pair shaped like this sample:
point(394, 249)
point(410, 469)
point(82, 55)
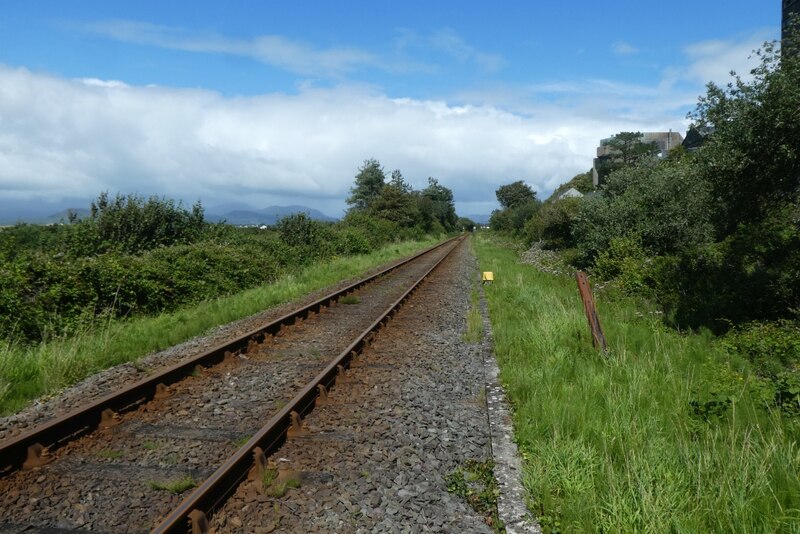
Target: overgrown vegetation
point(276, 483)
point(668, 433)
point(176, 486)
point(74, 296)
point(474, 332)
point(691, 424)
point(518, 203)
point(709, 235)
point(28, 370)
point(134, 256)
point(475, 483)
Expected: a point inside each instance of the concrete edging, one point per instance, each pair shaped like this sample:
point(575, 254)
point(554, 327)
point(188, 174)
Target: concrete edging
point(511, 506)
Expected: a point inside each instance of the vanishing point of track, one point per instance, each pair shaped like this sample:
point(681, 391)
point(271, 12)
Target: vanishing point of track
point(199, 418)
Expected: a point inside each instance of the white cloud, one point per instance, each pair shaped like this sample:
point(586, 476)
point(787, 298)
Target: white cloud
point(71, 138)
point(75, 138)
point(453, 44)
point(275, 50)
point(624, 49)
point(713, 60)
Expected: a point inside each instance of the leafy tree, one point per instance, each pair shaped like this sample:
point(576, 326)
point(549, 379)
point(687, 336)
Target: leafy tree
point(299, 229)
point(438, 201)
point(581, 182)
point(663, 205)
point(627, 148)
point(752, 159)
point(515, 194)
point(466, 224)
point(395, 202)
point(370, 180)
point(553, 223)
point(519, 204)
point(751, 163)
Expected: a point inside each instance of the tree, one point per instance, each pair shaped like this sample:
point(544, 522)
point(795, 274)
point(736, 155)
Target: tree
point(553, 223)
point(132, 224)
point(515, 194)
point(466, 224)
point(369, 182)
point(439, 201)
point(580, 182)
point(626, 148)
point(519, 203)
point(752, 158)
point(660, 204)
point(395, 202)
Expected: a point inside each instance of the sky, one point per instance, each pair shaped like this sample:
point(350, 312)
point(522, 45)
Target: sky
point(279, 103)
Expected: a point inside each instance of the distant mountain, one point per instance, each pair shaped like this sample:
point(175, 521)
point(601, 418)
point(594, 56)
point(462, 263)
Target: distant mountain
point(237, 213)
point(480, 219)
point(63, 215)
point(13, 211)
point(268, 216)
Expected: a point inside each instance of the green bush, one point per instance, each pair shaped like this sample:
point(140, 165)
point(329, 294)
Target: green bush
point(352, 241)
point(377, 231)
point(772, 347)
point(625, 262)
point(553, 223)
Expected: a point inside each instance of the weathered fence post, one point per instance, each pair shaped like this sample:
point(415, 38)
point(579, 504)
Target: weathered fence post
point(598, 339)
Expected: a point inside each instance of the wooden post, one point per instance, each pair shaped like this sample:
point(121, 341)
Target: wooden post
point(598, 339)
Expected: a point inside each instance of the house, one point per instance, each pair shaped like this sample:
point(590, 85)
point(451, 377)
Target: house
point(570, 193)
point(696, 136)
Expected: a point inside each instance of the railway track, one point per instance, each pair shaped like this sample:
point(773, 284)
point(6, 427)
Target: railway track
point(185, 438)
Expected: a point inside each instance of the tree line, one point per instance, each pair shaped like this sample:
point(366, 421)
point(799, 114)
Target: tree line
point(431, 209)
point(139, 256)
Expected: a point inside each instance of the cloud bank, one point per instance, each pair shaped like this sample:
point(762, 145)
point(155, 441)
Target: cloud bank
point(73, 138)
point(69, 138)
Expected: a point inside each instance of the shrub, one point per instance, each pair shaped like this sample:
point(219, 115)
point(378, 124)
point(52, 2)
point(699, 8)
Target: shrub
point(553, 223)
point(772, 347)
point(625, 262)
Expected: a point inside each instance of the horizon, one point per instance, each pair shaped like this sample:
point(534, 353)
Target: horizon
point(280, 105)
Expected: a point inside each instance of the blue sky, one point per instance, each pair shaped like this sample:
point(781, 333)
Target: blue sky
point(279, 103)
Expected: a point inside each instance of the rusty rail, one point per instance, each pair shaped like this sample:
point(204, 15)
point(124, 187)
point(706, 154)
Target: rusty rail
point(598, 338)
point(191, 515)
point(32, 448)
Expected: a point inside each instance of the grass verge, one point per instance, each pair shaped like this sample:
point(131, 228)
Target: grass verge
point(666, 434)
point(28, 372)
point(174, 486)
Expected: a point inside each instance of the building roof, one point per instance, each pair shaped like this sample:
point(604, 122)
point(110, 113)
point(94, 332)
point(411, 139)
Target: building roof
point(570, 193)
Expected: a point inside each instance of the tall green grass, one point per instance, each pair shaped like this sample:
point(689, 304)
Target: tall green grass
point(30, 371)
point(614, 444)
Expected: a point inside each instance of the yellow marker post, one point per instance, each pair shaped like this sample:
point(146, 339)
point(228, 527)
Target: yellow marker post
point(488, 277)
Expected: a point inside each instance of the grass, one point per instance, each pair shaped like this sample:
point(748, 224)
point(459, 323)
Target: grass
point(349, 299)
point(474, 482)
point(617, 443)
point(474, 332)
point(276, 484)
point(31, 371)
point(174, 486)
point(239, 443)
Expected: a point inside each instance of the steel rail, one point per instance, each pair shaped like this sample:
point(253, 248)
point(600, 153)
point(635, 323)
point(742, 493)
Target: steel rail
point(224, 481)
point(29, 447)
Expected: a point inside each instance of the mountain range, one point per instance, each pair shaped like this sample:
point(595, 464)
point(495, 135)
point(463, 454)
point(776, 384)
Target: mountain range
point(235, 213)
